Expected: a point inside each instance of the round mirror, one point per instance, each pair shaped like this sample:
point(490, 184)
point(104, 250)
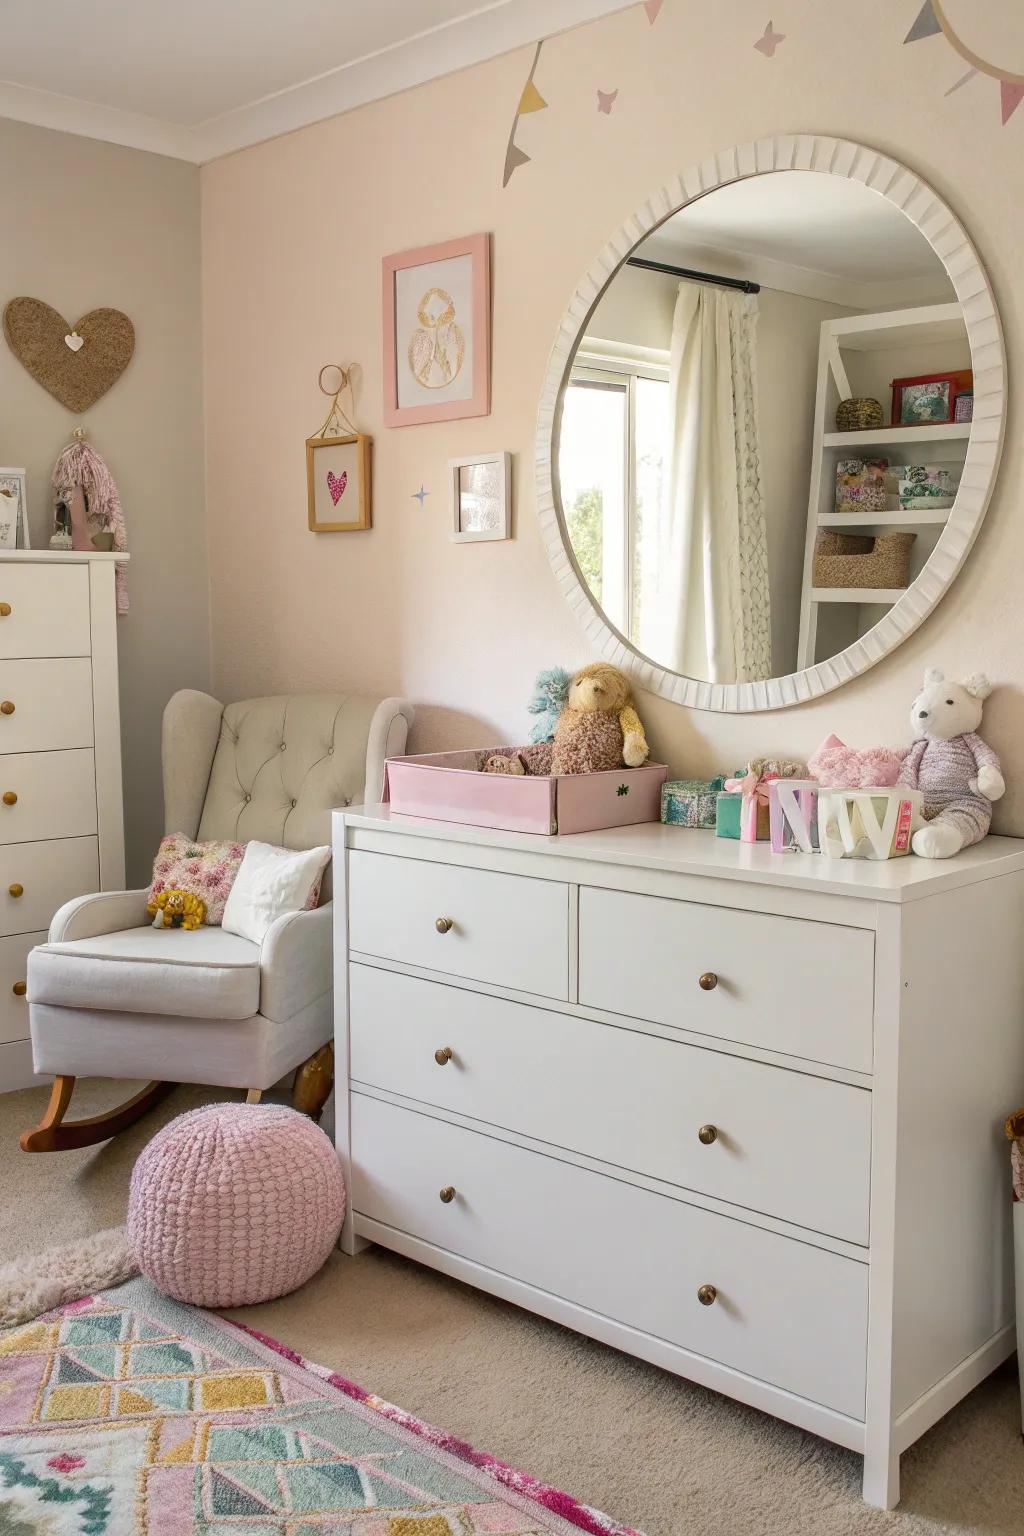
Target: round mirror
point(771, 424)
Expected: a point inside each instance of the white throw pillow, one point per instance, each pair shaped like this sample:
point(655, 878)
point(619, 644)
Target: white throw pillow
point(270, 882)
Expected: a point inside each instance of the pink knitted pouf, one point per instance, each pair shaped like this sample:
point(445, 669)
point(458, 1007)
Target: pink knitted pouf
point(235, 1203)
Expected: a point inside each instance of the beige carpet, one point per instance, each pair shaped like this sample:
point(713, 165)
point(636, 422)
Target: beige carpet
point(653, 1451)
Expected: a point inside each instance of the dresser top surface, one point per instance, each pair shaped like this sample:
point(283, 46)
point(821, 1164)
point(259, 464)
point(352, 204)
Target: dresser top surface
point(680, 850)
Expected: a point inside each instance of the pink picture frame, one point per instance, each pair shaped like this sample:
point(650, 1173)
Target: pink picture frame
point(436, 311)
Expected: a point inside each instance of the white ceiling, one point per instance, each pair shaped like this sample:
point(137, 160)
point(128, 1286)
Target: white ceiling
point(198, 78)
point(841, 235)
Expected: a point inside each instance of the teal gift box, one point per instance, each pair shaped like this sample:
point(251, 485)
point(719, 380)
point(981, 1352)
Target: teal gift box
point(690, 802)
point(729, 816)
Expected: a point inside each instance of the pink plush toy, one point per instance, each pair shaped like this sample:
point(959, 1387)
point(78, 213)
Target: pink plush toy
point(837, 766)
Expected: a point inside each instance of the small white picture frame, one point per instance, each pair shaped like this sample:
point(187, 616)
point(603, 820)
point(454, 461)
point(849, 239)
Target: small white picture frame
point(13, 510)
point(481, 497)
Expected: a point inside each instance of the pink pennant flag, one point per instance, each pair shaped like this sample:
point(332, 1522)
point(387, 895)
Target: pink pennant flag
point(1011, 97)
point(653, 7)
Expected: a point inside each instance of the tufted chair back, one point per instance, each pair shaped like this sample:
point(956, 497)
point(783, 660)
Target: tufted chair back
point(274, 768)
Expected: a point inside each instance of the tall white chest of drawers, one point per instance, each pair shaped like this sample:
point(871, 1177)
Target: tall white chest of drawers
point(737, 1114)
point(61, 824)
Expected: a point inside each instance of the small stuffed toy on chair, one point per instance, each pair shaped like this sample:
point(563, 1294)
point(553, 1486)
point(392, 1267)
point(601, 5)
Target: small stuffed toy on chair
point(956, 771)
point(599, 729)
point(177, 909)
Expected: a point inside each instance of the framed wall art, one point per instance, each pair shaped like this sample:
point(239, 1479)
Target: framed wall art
point(338, 483)
point(13, 510)
point(436, 325)
point(928, 399)
point(481, 491)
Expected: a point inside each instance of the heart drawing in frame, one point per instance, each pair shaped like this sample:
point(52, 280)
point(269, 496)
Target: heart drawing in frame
point(79, 375)
point(336, 484)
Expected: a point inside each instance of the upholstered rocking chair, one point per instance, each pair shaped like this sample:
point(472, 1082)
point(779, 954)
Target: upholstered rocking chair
point(111, 996)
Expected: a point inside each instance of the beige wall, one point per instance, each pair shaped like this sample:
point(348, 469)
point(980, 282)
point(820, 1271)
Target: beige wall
point(89, 224)
point(293, 233)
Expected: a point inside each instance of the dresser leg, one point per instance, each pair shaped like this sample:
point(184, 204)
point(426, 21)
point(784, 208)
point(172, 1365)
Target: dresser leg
point(351, 1244)
point(882, 1478)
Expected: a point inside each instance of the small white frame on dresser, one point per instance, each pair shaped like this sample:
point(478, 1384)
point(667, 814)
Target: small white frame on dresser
point(820, 982)
point(63, 833)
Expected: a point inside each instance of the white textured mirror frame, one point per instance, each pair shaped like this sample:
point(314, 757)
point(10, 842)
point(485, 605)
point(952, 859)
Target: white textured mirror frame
point(834, 157)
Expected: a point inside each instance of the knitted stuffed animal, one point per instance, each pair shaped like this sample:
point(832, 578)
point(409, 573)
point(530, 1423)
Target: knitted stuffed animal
point(550, 693)
point(599, 728)
point(177, 909)
point(957, 772)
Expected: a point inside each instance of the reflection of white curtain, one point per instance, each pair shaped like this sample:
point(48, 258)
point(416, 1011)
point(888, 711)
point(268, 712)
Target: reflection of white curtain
point(706, 610)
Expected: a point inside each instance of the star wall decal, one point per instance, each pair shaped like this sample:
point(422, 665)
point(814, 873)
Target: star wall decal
point(606, 100)
point(420, 496)
point(769, 41)
point(931, 21)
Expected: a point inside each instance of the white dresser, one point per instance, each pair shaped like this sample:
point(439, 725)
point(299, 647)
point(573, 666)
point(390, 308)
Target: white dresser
point(61, 826)
point(736, 1113)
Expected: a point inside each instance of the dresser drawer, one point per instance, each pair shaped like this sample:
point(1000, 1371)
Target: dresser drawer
point(13, 1006)
point(52, 705)
point(787, 1312)
point(505, 929)
point(56, 796)
point(49, 610)
point(559, 1079)
point(802, 988)
point(37, 878)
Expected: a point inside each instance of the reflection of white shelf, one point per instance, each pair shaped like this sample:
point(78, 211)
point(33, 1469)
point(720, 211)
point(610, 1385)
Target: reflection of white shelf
point(899, 328)
point(898, 522)
point(856, 594)
point(879, 437)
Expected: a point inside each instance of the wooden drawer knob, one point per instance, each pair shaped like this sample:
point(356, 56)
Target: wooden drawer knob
point(20, 988)
point(707, 1295)
point(447, 1194)
point(6, 708)
point(707, 1134)
point(708, 982)
point(16, 890)
point(5, 609)
point(10, 798)
point(443, 1056)
point(444, 924)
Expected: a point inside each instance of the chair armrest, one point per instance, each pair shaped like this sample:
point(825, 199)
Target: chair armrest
point(296, 962)
point(105, 912)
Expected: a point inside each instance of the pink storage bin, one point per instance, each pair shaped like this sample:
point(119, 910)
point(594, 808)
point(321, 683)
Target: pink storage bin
point(446, 786)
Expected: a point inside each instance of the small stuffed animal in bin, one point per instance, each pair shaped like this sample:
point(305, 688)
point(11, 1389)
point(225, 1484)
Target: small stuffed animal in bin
point(957, 772)
point(599, 729)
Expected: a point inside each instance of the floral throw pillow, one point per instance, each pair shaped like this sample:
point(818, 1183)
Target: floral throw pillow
point(206, 869)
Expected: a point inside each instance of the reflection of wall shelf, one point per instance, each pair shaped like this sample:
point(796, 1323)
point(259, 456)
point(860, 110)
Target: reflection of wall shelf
point(883, 437)
point(833, 618)
point(888, 595)
point(868, 522)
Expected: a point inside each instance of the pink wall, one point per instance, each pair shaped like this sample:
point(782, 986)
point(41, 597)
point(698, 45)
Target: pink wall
point(293, 233)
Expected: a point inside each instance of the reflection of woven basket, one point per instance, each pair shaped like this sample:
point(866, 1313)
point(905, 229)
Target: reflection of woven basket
point(852, 560)
point(858, 415)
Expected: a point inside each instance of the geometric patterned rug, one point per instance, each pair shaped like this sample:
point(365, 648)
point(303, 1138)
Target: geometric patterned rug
point(128, 1414)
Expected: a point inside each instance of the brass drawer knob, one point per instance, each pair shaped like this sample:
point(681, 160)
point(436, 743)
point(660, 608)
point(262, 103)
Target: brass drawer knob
point(448, 1194)
point(5, 609)
point(707, 1295)
point(708, 982)
point(16, 890)
point(10, 798)
point(707, 1134)
point(6, 708)
point(443, 1056)
point(444, 924)
point(20, 988)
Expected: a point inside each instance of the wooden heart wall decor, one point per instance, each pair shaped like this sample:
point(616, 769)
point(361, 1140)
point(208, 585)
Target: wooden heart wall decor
point(76, 363)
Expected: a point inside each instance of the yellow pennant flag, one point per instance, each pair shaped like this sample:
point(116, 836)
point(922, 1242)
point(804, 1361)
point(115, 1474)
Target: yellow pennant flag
point(531, 100)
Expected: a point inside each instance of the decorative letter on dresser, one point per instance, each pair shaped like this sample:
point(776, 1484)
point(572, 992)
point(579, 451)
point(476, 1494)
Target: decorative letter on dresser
point(61, 828)
point(737, 1113)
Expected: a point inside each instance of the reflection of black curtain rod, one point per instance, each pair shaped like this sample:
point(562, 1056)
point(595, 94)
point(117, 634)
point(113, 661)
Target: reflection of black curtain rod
point(697, 277)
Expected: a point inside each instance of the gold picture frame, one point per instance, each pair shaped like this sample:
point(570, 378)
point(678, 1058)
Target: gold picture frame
point(338, 478)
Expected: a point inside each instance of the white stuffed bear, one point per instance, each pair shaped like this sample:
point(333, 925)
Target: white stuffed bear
point(956, 771)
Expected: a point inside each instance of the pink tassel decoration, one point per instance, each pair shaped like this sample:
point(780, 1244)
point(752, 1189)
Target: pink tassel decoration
point(81, 478)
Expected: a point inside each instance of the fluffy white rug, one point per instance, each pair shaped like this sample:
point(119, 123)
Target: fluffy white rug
point(41, 1281)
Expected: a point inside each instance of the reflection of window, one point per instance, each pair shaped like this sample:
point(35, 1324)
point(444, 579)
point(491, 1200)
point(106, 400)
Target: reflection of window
point(612, 459)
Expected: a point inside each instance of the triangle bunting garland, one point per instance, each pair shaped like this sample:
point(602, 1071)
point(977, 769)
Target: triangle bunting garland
point(513, 160)
point(531, 100)
point(926, 25)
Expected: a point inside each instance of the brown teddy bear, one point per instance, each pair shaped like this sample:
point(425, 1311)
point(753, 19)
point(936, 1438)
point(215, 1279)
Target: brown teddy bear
point(599, 728)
